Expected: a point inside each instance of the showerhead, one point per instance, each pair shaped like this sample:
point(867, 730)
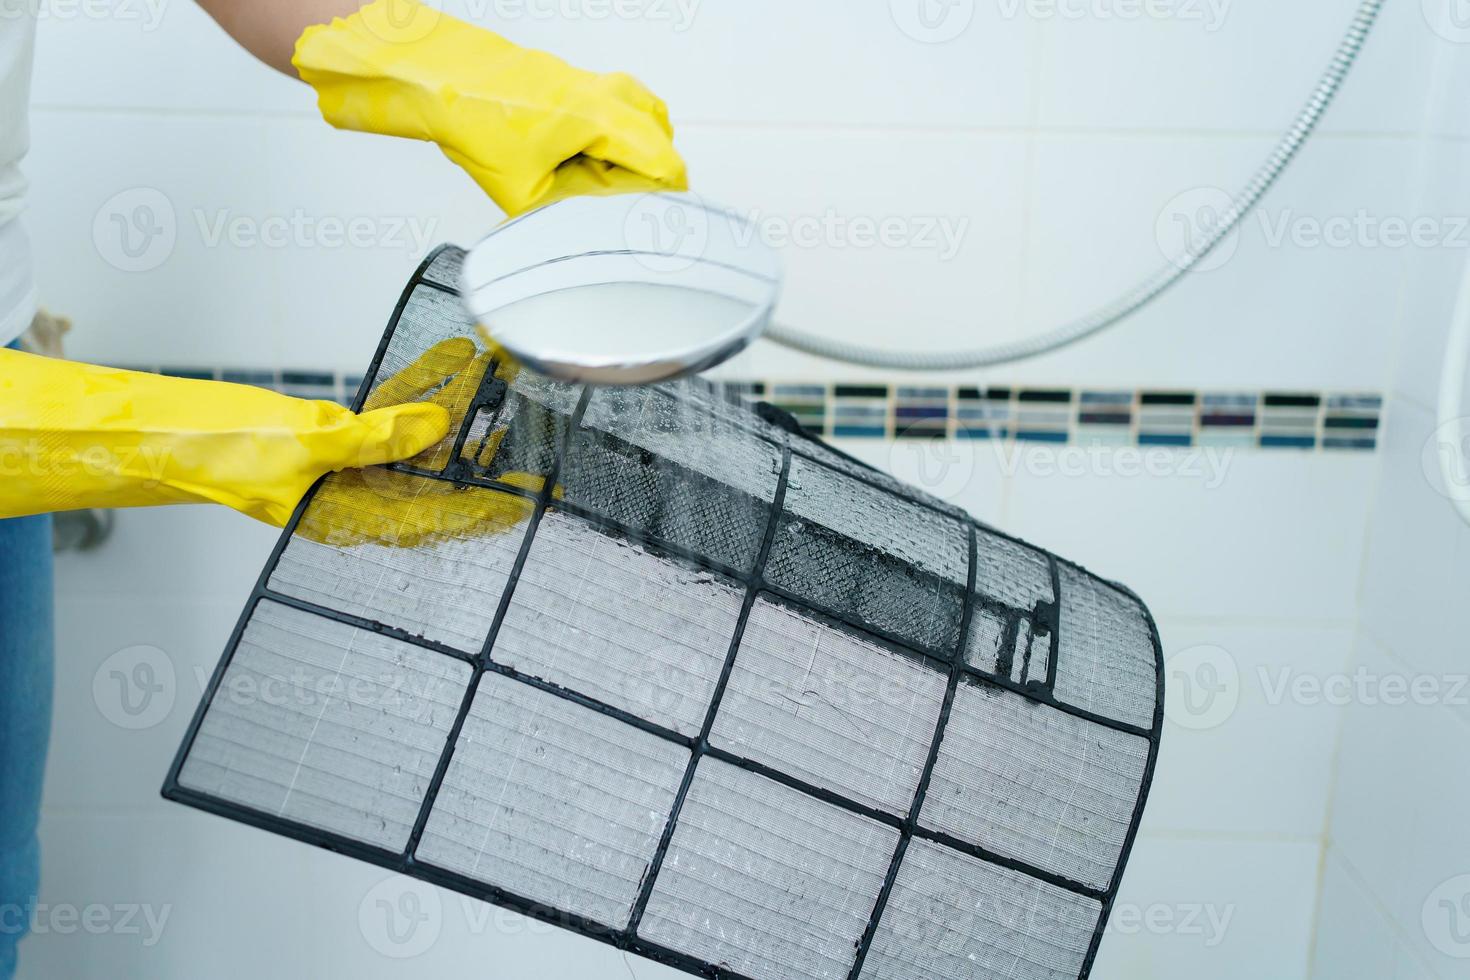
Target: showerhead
point(623, 290)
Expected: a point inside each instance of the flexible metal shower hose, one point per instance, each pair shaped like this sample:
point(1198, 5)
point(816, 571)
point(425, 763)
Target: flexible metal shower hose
point(1147, 291)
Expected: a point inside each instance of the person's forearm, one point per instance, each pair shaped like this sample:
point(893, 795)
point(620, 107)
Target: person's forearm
point(268, 29)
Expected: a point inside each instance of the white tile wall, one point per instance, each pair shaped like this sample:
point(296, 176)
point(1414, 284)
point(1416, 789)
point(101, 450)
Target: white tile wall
point(1251, 730)
point(1394, 895)
point(1398, 814)
point(1245, 536)
point(1354, 937)
point(1060, 146)
point(1219, 909)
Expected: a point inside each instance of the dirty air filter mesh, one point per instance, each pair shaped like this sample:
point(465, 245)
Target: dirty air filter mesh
point(669, 673)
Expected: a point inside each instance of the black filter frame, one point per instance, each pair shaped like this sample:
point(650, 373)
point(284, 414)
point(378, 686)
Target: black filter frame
point(794, 442)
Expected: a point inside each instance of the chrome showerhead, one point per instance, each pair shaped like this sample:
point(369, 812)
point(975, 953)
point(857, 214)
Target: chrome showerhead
point(623, 290)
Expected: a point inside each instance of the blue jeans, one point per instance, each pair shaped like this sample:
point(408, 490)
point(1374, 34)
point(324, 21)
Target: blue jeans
point(26, 640)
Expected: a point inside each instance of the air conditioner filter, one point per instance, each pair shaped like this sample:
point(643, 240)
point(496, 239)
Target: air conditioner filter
point(663, 670)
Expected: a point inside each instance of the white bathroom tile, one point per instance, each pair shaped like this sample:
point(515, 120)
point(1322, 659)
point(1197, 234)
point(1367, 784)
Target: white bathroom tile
point(368, 210)
point(1447, 116)
point(109, 185)
point(763, 61)
point(1415, 558)
point(151, 54)
point(965, 474)
point(1299, 298)
point(1402, 792)
point(375, 925)
point(130, 674)
point(1251, 722)
point(1435, 276)
point(1353, 938)
point(229, 899)
point(1211, 910)
point(1247, 534)
point(948, 268)
point(184, 554)
point(1223, 65)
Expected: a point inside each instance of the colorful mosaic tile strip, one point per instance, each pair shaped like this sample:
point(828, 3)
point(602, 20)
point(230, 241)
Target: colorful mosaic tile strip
point(1271, 420)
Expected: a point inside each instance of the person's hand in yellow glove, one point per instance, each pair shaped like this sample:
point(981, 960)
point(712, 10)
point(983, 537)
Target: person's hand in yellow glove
point(528, 127)
point(381, 506)
point(74, 436)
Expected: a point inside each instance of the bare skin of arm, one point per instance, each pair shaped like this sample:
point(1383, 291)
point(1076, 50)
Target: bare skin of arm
point(268, 29)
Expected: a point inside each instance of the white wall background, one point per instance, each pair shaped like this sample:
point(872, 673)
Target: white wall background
point(1284, 831)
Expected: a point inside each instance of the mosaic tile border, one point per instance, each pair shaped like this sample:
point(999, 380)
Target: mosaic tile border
point(1271, 420)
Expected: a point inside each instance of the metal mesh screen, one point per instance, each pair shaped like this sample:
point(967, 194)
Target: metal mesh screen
point(667, 672)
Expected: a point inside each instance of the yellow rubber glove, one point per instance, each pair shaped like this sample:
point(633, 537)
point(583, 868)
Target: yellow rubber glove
point(528, 127)
point(74, 436)
point(379, 506)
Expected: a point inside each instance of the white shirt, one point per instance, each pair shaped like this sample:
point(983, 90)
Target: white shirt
point(17, 284)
